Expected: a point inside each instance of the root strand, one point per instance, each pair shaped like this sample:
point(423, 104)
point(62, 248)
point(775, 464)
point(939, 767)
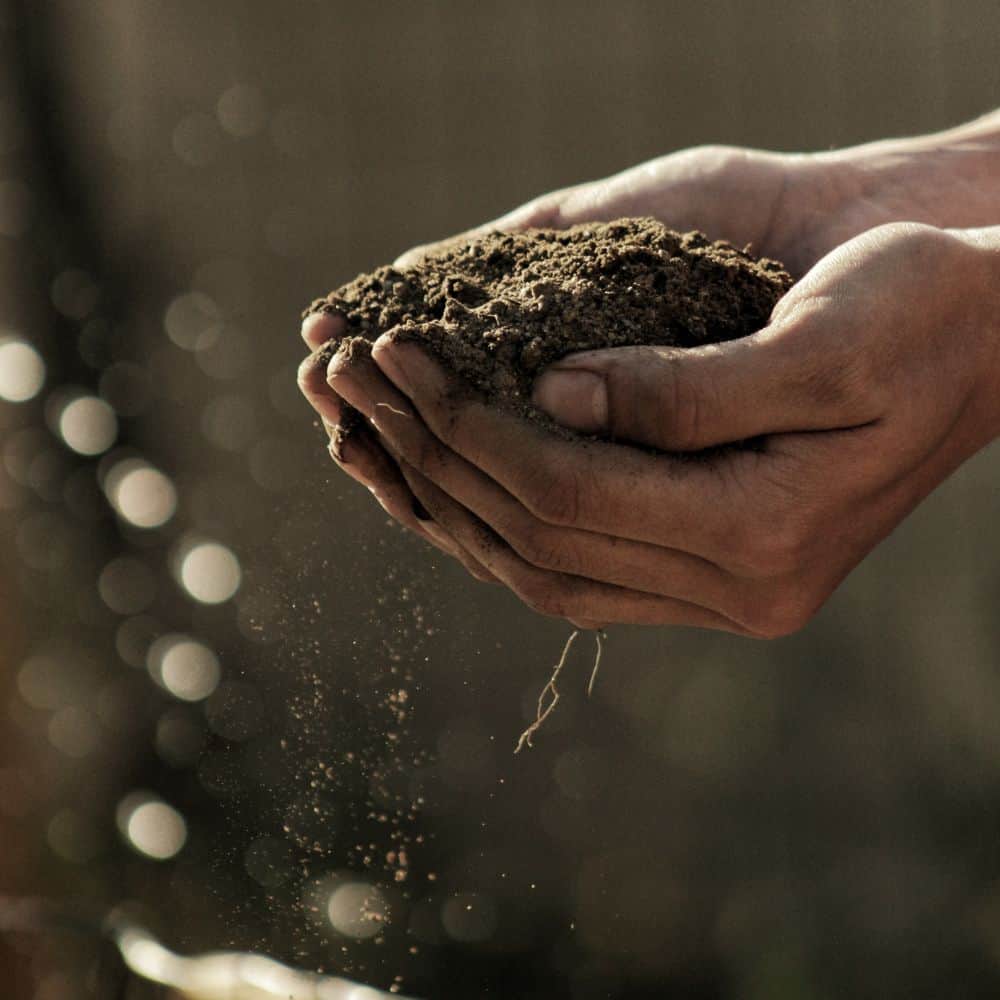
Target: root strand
point(545, 710)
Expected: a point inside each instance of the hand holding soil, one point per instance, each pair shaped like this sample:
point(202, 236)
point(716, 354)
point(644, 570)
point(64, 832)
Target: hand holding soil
point(877, 375)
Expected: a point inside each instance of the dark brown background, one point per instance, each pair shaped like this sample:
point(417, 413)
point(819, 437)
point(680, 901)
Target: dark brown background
point(814, 817)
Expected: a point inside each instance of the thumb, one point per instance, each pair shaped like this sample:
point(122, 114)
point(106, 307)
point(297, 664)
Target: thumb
point(687, 399)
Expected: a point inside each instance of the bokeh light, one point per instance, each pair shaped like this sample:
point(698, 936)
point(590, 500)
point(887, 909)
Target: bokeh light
point(127, 585)
point(150, 826)
point(44, 541)
point(180, 737)
point(142, 495)
point(187, 668)
point(227, 356)
point(336, 991)
point(74, 731)
point(52, 679)
point(241, 111)
point(210, 573)
point(75, 294)
point(126, 387)
point(73, 836)
point(133, 638)
point(22, 371)
point(228, 422)
point(88, 425)
point(192, 321)
point(357, 910)
point(268, 862)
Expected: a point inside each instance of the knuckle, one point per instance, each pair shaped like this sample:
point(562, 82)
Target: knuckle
point(427, 455)
point(549, 606)
point(682, 408)
point(546, 210)
point(914, 237)
point(656, 398)
point(412, 256)
point(779, 548)
point(538, 593)
point(445, 415)
point(853, 385)
point(540, 546)
point(552, 497)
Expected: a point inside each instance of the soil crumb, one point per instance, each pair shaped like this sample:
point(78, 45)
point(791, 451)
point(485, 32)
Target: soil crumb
point(498, 308)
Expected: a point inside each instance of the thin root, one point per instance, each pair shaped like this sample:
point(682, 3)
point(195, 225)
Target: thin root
point(599, 636)
point(545, 710)
point(389, 406)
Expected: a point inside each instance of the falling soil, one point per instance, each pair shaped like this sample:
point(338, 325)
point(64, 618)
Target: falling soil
point(498, 308)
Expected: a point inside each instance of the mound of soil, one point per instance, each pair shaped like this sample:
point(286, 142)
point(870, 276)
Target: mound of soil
point(498, 308)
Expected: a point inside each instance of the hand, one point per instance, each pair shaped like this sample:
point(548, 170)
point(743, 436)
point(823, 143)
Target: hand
point(876, 377)
point(793, 207)
point(783, 204)
point(729, 192)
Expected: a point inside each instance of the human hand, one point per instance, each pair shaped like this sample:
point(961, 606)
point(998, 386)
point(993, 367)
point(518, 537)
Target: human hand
point(743, 195)
point(793, 207)
point(876, 377)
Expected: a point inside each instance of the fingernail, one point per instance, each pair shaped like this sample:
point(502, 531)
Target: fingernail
point(576, 399)
point(419, 510)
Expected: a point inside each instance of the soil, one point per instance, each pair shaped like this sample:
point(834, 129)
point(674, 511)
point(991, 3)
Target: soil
point(498, 308)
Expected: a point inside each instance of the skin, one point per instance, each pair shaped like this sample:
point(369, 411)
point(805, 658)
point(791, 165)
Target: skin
point(875, 378)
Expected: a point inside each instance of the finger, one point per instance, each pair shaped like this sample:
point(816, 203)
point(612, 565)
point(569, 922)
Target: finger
point(364, 459)
point(621, 561)
point(429, 525)
point(636, 565)
point(314, 386)
point(767, 602)
point(418, 253)
point(351, 370)
point(692, 506)
point(558, 595)
point(319, 327)
point(688, 399)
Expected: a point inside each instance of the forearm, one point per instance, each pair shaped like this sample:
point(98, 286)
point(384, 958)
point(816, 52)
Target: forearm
point(949, 179)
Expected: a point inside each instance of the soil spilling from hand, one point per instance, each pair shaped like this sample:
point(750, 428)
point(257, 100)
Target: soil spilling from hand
point(498, 308)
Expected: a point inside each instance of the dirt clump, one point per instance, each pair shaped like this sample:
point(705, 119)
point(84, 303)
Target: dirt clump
point(498, 308)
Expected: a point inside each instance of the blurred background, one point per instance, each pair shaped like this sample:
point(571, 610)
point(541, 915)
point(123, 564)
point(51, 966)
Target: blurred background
point(242, 710)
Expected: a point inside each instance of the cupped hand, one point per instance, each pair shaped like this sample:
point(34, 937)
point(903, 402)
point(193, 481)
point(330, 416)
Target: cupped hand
point(874, 380)
point(789, 206)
